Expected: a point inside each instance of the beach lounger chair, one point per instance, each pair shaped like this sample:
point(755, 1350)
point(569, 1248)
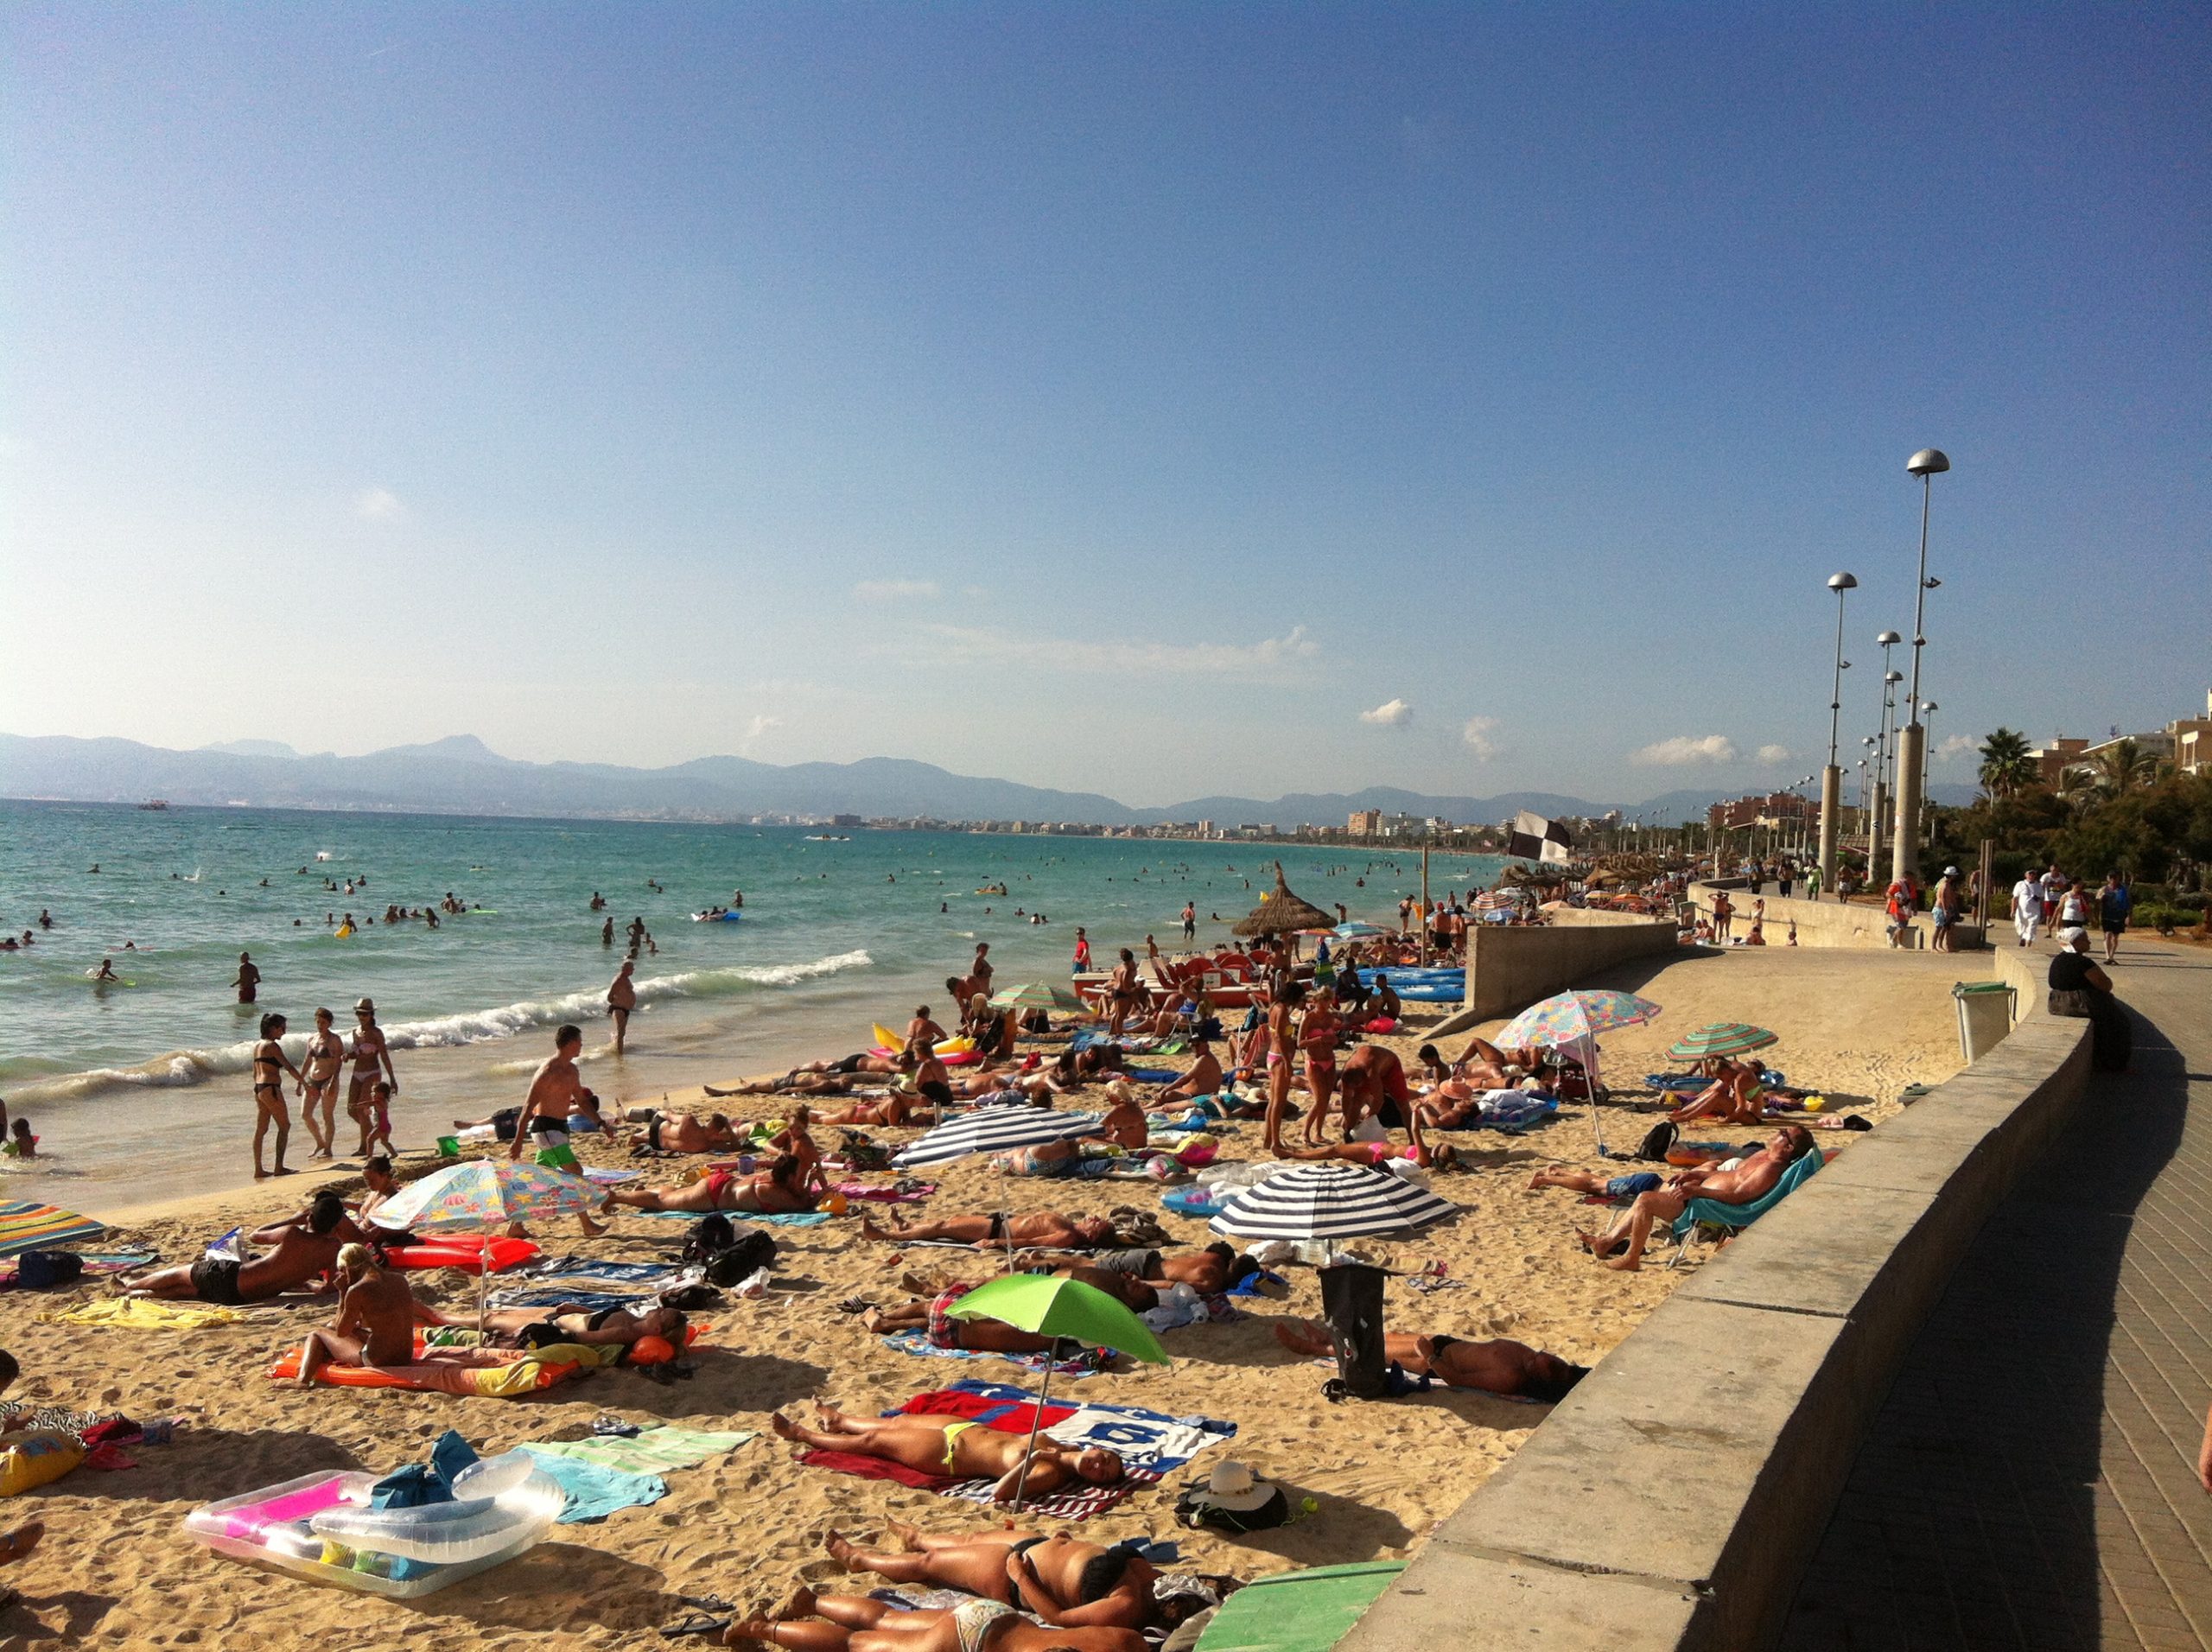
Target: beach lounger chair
point(1726, 1219)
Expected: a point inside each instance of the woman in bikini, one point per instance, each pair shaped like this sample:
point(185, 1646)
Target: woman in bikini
point(783, 1189)
point(324, 1057)
point(270, 1064)
point(891, 1111)
point(1280, 1045)
point(956, 1448)
point(1317, 1036)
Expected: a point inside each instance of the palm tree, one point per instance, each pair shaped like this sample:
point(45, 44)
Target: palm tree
point(2006, 764)
point(2122, 766)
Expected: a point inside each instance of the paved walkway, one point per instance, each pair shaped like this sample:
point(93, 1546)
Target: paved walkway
point(2031, 1481)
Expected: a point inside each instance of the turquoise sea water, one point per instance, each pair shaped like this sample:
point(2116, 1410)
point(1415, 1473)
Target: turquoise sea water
point(835, 935)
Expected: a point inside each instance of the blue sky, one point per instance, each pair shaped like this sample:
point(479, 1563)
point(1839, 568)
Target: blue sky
point(1125, 398)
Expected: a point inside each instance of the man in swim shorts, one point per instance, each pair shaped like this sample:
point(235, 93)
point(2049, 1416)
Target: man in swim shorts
point(621, 1000)
point(1596, 1183)
point(555, 1090)
point(301, 1255)
point(1500, 1367)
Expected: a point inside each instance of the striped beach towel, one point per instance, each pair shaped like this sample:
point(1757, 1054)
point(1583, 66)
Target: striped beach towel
point(27, 1226)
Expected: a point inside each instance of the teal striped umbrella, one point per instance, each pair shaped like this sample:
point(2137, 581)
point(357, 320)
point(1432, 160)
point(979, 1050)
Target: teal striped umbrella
point(1035, 995)
point(1717, 1038)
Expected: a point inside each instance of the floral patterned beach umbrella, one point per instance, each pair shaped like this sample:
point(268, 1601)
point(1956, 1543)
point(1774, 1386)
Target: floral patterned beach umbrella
point(1573, 1021)
point(483, 1197)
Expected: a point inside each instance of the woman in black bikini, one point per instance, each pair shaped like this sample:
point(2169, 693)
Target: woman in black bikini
point(571, 1322)
point(270, 1064)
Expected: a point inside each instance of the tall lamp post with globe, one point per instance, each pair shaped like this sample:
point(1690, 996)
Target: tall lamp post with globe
point(1912, 738)
point(1832, 776)
point(1879, 805)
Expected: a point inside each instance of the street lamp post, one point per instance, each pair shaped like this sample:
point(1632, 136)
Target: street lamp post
point(1832, 776)
point(1879, 802)
point(1912, 739)
point(1927, 760)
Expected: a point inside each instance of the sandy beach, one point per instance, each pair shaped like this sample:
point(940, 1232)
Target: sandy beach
point(118, 1570)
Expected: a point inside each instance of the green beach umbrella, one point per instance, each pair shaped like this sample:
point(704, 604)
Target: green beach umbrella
point(1058, 1307)
point(1035, 995)
point(1717, 1038)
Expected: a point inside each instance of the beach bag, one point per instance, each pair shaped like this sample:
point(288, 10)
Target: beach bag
point(726, 1251)
point(1193, 1510)
point(1657, 1140)
point(1351, 1302)
point(39, 1270)
point(35, 1459)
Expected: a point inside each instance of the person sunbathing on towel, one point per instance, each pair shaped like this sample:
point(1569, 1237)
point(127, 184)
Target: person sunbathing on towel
point(1062, 1580)
point(800, 1081)
point(1484, 1064)
point(1736, 1095)
point(1500, 1367)
point(572, 1322)
point(684, 1131)
point(935, 1319)
point(1376, 1154)
point(375, 1319)
point(301, 1255)
point(884, 1112)
point(957, 1449)
point(861, 1623)
point(1621, 1246)
point(1208, 1272)
point(1046, 1229)
point(1125, 1124)
point(780, 1189)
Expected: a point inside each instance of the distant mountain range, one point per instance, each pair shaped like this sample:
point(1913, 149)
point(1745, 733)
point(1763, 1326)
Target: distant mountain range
point(463, 776)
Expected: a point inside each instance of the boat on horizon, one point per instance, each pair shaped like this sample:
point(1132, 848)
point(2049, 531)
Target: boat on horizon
point(154, 803)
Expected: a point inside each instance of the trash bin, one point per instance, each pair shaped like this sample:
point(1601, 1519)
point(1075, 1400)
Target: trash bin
point(1351, 1302)
point(1986, 1011)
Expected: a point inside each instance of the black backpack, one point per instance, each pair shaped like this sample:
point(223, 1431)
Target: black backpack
point(39, 1270)
point(729, 1252)
point(1659, 1137)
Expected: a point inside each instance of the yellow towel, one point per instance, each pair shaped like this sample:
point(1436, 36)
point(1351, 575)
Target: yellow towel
point(144, 1314)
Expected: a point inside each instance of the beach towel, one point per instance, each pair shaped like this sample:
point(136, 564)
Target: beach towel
point(599, 1270)
point(1151, 1444)
point(144, 1314)
point(592, 1492)
point(794, 1219)
point(917, 1344)
point(655, 1451)
point(886, 1194)
point(604, 1177)
point(1153, 1075)
point(25, 1225)
point(96, 1262)
point(554, 1296)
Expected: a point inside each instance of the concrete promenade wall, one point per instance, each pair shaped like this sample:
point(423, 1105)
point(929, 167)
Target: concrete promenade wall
point(1674, 1500)
point(1819, 923)
point(1509, 967)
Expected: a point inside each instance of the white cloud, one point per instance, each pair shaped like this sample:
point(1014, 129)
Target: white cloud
point(964, 644)
point(1956, 745)
point(378, 504)
point(1392, 714)
point(1774, 753)
point(761, 725)
point(896, 590)
point(1475, 737)
point(1685, 749)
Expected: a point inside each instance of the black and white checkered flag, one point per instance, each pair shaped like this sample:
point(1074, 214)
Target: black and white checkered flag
point(1534, 838)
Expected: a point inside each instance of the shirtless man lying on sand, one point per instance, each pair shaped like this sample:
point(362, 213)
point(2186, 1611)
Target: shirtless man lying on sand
point(684, 1131)
point(1500, 1367)
point(861, 1623)
point(302, 1253)
point(1064, 1580)
point(1209, 1272)
point(1047, 1230)
point(1621, 1246)
point(956, 1448)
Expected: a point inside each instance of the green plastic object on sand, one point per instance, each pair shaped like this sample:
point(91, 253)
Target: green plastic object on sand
point(449, 1147)
point(1298, 1612)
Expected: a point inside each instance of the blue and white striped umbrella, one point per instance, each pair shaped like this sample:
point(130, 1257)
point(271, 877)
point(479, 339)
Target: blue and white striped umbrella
point(1329, 1200)
point(995, 1129)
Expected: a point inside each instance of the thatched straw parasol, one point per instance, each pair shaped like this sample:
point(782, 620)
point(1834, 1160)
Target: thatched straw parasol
point(1283, 913)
